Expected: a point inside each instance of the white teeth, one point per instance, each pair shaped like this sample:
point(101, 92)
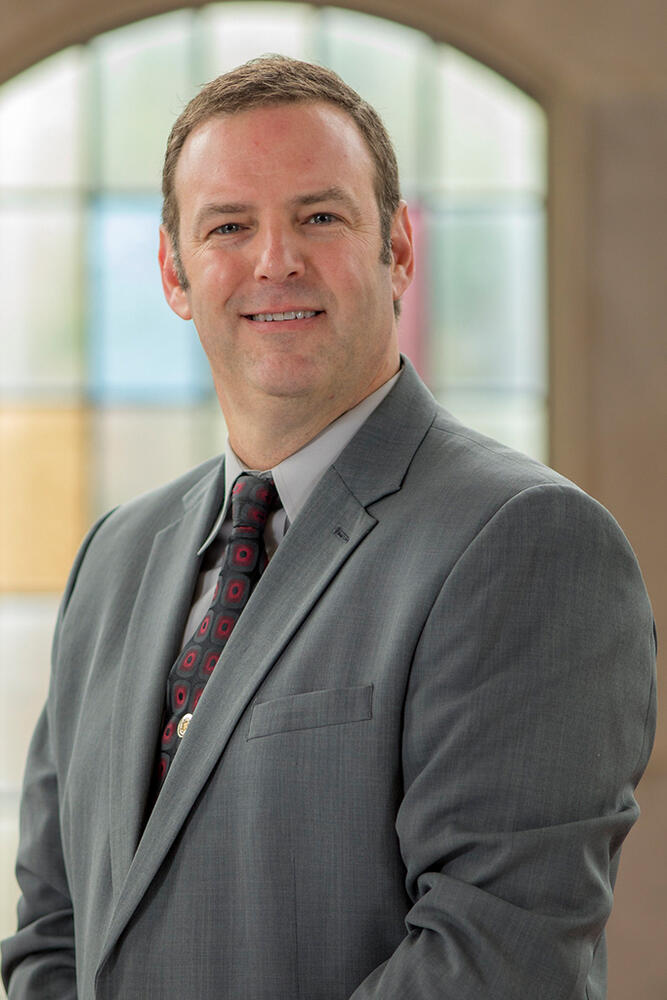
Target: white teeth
point(270, 317)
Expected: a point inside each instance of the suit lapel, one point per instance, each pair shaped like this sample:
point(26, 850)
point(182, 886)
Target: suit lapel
point(153, 636)
point(330, 527)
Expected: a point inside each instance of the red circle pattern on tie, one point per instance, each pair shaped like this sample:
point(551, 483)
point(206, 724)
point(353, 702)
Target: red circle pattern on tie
point(253, 499)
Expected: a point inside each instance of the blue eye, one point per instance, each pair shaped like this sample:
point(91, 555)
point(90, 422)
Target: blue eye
point(321, 218)
point(228, 228)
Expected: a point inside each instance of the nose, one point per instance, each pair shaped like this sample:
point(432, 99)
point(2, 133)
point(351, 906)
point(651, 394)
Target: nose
point(278, 255)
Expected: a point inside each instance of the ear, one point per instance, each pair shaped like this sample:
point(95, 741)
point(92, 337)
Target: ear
point(174, 293)
point(402, 251)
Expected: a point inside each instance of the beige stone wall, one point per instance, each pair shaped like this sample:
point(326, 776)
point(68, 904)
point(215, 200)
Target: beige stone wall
point(599, 68)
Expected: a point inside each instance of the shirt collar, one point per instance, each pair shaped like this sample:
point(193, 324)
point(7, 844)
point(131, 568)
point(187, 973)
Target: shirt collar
point(297, 475)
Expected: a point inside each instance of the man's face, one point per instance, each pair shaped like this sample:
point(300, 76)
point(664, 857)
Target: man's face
point(280, 244)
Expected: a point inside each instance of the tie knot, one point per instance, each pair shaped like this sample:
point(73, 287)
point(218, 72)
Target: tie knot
point(253, 499)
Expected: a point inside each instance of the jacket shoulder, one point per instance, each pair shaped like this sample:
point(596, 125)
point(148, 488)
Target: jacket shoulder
point(475, 455)
point(470, 478)
point(123, 537)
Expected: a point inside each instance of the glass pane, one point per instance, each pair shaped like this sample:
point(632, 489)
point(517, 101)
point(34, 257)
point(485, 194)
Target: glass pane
point(491, 136)
point(517, 419)
point(413, 338)
point(144, 82)
point(137, 449)
point(382, 61)
point(40, 260)
point(9, 838)
point(487, 314)
point(139, 349)
point(26, 627)
point(42, 496)
point(41, 126)
point(231, 33)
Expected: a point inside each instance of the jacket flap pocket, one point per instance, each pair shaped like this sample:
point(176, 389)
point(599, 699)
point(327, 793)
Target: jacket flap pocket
point(310, 710)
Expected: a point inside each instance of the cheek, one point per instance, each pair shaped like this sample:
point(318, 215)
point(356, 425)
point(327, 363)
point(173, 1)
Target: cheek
point(219, 275)
point(355, 283)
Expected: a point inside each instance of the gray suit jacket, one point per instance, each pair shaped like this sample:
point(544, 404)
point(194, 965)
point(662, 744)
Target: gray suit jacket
point(410, 773)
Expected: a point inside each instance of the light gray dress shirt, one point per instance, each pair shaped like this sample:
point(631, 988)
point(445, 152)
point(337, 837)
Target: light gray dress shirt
point(295, 477)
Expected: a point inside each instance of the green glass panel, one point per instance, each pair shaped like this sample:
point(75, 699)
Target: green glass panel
point(231, 33)
point(486, 304)
point(40, 260)
point(384, 62)
point(143, 81)
point(41, 124)
point(488, 135)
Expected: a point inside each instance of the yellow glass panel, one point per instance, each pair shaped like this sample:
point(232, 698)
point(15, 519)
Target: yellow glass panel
point(42, 496)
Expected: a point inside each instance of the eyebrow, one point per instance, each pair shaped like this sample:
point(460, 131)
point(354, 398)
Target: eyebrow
point(327, 194)
point(216, 208)
point(335, 194)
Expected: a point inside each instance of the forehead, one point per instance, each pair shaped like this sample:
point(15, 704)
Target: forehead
point(307, 145)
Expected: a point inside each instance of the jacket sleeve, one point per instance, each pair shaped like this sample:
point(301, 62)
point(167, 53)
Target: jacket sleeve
point(38, 962)
point(529, 717)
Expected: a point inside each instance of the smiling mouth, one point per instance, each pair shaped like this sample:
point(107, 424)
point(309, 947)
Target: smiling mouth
point(276, 317)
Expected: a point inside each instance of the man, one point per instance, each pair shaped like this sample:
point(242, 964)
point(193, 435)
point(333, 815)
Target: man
point(407, 768)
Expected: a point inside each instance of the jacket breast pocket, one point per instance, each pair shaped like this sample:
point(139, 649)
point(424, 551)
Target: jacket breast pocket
point(311, 710)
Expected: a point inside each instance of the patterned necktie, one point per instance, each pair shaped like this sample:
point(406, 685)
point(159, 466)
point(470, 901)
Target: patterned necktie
point(253, 499)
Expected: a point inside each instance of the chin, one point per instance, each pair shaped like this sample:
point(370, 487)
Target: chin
point(287, 377)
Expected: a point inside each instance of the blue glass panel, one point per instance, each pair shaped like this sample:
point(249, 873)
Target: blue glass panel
point(139, 350)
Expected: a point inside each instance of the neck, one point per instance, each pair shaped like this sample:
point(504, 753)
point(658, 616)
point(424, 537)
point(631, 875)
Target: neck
point(263, 444)
point(276, 427)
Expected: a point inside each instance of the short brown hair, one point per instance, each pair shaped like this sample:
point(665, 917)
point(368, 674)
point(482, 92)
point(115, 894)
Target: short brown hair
point(275, 79)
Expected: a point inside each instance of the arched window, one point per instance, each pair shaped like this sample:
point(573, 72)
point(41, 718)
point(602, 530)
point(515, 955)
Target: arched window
point(106, 393)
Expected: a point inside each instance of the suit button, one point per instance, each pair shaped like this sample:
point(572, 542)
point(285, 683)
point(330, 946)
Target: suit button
point(183, 724)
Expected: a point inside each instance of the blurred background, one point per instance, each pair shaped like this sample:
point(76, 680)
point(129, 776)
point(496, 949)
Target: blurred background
point(532, 144)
